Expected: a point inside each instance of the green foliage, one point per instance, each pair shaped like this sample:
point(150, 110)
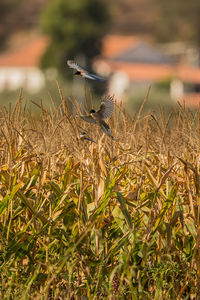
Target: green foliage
point(164, 84)
point(75, 27)
point(179, 17)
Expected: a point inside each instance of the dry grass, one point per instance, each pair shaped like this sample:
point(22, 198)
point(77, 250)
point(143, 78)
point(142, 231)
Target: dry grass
point(113, 220)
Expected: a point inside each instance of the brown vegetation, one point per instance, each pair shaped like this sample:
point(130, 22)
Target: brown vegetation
point(113, 220)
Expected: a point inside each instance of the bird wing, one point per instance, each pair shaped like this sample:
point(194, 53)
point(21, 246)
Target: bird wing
point(84, 72)
point(89, 139)
point(105, 127)
point(106, 107)
point(88, 119)
point(88, 76)
point(75, 66)
point(94, 77)
point(84, 136)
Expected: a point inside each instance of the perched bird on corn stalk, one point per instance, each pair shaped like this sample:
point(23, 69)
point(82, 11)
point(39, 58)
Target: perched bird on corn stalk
point(84, 137)
point(82, 72)
point(104, 112)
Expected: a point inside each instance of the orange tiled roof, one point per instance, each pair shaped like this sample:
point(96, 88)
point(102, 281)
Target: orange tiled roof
point(116, 44)
point(190, 99)
point(30, 53)
point(152, 72)
point(146, 72)
point(188, 73)
point(26, 55)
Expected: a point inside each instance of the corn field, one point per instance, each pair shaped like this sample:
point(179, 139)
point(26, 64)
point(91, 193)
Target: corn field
point(108, 220)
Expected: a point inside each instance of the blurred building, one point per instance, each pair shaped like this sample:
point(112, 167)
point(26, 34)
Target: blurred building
point(19, 67)
point(126, 60)
point(145, 63)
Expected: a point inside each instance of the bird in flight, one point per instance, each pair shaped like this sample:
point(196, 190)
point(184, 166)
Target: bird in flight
point(84, 137)
point(82, 72)
point(104, 112)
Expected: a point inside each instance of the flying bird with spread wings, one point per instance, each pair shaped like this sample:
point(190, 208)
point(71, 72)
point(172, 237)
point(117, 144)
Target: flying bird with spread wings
point(84, 137)
point(82, 72)
point(104, 112)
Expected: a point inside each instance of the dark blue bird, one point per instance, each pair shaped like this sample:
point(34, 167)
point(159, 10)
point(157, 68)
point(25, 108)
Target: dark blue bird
point(82, 72)
point(104, 112)
point(84, 137)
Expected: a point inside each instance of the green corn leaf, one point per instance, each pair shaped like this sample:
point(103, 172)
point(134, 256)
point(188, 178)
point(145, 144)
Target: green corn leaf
point(119, 219)
point(4, 204)
point(190, 225)
point(124, 210)
point(6, 200)
point(55, 188)
point(167, 204)
point(29, 206)
point(32, 179)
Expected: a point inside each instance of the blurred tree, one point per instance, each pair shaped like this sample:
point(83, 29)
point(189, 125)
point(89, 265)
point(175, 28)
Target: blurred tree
point(131, 17)
point(18, 15)
point(165, 20)
point(76, 28)
point(8, 12)
point(179, 20)
point(30, 13)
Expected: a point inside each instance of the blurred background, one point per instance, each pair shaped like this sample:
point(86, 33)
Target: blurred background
point(132, 43)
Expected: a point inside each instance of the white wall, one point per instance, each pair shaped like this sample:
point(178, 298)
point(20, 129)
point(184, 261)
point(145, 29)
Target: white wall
point(30, 78)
